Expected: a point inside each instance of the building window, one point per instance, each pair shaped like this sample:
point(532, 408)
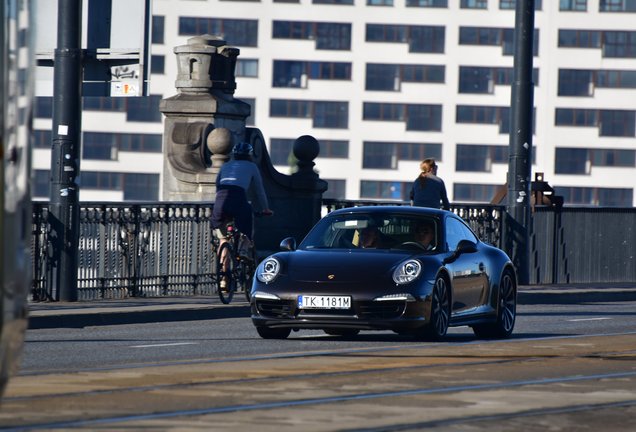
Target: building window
point(99, 146)
point(336, 189)
point(393, 190)
point(146, 143)
point(482, 80)
point(619, 44)
point(43, 107)
point(617, 6)
point(113, 104)
point(157, 64)
point(617, 123)
point(334, 2)
point(233, 31)
point(41, 187)
point(485, 115)
point(473, 4)
point(328, 36)
point(158, 29)
point(479, 158)
point(417, 117)
point(335, 149)
point(581, 160)
point(581, 82)
point(106, 146)
point(389, 77)
point(379, 2)
point(42, 139)
point(571, 161)
point(575, 82)
point(573, 5)
point(493, 36)
point(101, 180)
point(324, 114)
point(143, 109)
point(247, 68)
point(141, 187)
point(280, 151)
point(427, 3)
point(296, 74)
point(471, 192)
point(615, 44)
point(386, 155)
point(421, 39)
point(579, 38)
point(606, 197)
point(511, 4)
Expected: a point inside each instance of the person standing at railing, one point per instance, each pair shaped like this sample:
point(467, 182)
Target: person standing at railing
point(428, 190)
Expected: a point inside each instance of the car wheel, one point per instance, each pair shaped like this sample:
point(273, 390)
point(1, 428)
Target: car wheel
point(506, 311)
point(273, 333)
point(342, 332)
point(440, 310)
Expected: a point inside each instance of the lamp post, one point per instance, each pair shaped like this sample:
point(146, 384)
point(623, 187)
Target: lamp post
point(64, 192)
point(521, 116)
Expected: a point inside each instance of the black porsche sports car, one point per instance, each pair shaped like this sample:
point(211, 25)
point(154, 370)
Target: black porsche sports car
point(412, 270)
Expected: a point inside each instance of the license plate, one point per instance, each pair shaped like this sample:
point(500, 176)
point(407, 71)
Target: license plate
point(324, 302)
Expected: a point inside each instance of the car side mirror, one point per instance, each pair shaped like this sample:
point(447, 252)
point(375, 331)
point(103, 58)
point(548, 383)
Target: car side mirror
point(466, 246)
point(288, 244)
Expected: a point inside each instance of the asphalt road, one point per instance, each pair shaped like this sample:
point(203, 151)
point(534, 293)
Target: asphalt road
point(567, 367)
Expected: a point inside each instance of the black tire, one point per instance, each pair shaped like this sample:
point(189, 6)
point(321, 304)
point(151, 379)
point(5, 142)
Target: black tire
point(228, 274)
point(506, 311)
point(247, 276)
point(273, 333)
point(440, 311)
point(344, 332)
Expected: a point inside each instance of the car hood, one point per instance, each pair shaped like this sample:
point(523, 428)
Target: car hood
point(341, 266)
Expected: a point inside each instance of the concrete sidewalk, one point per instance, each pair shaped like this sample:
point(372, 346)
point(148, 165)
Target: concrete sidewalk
point(165, 309)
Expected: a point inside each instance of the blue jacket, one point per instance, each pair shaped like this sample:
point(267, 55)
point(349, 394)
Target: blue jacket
point(428, 191)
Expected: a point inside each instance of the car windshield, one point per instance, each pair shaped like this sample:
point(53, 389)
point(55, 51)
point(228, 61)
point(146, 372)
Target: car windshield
point(373, 231)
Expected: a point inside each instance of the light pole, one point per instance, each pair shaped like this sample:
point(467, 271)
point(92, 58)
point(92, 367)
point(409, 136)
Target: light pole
point(521, 116)
point(65, 154)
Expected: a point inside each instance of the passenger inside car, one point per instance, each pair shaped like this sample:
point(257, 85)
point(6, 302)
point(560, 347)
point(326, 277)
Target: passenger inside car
point(424, 234)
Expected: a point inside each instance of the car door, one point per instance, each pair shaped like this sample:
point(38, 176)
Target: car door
point(467, 270)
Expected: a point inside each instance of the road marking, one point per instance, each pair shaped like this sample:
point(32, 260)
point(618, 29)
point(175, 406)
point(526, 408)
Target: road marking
point(164, 345)
point(589, 319)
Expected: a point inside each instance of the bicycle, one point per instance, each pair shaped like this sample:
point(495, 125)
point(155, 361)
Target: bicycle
point(235, 263)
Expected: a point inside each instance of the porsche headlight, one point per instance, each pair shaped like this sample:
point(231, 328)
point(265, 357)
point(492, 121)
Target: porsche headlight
point(268, 270)
point(407, 272)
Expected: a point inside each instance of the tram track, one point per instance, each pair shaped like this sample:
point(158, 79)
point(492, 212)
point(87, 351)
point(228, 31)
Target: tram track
point(275, 385)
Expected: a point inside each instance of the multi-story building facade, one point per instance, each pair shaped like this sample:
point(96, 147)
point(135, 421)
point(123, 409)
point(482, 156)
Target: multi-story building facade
point(383, 84)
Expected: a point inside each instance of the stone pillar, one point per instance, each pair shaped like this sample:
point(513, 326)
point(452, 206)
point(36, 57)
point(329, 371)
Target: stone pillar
point(203, 120)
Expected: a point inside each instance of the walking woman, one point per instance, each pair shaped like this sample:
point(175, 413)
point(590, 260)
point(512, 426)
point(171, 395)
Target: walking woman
point(428, 190)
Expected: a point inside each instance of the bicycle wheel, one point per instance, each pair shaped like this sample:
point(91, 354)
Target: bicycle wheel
point(247, 276)
point(225, 274)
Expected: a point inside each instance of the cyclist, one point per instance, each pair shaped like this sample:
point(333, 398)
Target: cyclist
point(233, 181)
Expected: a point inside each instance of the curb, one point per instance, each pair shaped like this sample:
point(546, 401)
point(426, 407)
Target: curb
point(111, 316)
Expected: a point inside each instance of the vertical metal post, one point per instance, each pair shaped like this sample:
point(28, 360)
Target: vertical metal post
point(64, 192)
point(521, 121)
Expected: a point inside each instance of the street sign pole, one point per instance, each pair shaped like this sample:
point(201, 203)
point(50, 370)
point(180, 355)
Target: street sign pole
point(520, 163)
point(65, 151)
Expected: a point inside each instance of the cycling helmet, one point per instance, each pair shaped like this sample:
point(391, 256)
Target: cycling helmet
point(242, 149)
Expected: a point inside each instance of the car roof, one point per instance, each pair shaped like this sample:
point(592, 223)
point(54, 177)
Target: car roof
point(396, 209)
